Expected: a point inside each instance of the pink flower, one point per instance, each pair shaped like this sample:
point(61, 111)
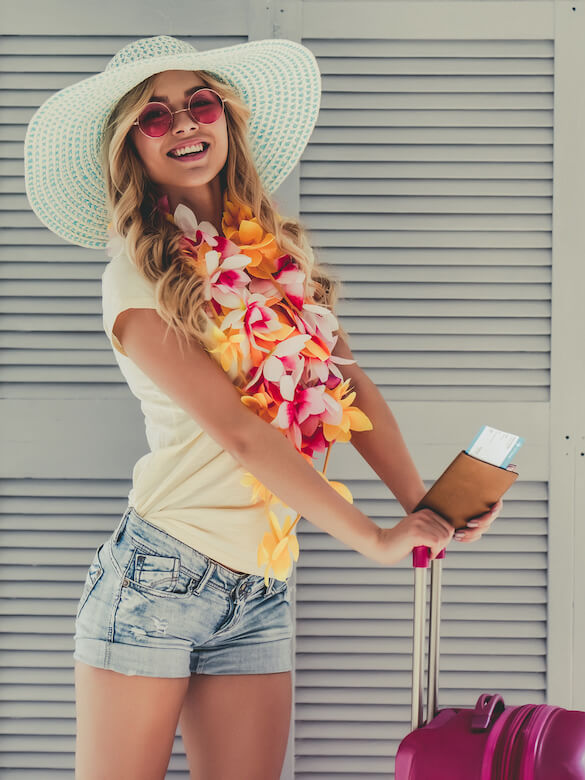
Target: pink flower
point(282, 359)
point(289, 276)
point(313, 438)
point(325, 371)
point(318, 321)
point(257, 319)
point(225, 282)
point(292, 412)
point(298, 403)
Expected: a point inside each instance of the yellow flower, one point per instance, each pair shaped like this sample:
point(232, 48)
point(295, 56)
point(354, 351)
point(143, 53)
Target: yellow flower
point(259, 491)
point(342, 489)
point(352, 417)
point(277, 547)
point(227, 347)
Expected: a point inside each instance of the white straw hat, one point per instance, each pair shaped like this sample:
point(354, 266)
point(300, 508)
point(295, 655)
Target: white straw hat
point(279, 79)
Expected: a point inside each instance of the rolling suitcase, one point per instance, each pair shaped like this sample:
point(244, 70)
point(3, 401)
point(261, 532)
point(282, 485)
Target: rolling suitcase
point(491, 741)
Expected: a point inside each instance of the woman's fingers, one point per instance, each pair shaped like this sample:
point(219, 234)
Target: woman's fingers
point(483, 521)
point(476, 528)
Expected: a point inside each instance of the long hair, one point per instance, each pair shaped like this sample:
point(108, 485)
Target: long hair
point(153, 243)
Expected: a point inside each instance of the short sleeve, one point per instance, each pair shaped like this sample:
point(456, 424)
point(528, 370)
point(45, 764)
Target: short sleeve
point(123, 287)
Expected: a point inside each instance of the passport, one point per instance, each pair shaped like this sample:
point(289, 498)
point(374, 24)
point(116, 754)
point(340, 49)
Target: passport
point(470, 485)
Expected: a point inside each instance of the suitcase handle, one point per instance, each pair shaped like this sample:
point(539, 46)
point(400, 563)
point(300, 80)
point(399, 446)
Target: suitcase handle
point(422, 555)
point(420, 561)
point(485, 711)
point(488, 707)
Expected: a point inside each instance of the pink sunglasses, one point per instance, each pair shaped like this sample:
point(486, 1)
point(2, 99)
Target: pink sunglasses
point(156, 119)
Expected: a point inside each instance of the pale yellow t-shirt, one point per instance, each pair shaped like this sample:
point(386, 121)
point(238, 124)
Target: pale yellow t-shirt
point(187, 485)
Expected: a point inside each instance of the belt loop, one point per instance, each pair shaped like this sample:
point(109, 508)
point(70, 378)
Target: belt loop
point(121, 525)
point(211, 566)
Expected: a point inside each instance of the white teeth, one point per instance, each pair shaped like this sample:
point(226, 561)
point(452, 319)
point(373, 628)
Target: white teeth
point(187, 150)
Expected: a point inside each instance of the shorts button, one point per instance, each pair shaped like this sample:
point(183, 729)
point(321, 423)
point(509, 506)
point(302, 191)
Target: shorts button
point(124, 582)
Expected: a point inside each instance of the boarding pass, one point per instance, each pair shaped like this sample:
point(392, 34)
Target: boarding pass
point(494, 446)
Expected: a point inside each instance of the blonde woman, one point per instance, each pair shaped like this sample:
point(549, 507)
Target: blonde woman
point(223, 325)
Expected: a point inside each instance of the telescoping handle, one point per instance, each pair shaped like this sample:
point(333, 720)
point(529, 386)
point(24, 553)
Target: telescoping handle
point(420, 562)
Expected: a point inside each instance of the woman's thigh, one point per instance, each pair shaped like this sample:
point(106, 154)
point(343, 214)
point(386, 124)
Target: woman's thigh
point(237, 725)
point(126, 724)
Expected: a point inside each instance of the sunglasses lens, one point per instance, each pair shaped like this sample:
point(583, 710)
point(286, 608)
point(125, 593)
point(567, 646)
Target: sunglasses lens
point(155, 120)
point(206, 106)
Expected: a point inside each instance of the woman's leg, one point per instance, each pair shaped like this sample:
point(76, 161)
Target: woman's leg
point(125, 724)
point(236, 725)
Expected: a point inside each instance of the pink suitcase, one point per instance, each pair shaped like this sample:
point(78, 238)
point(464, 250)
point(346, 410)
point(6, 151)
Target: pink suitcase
point(491, 741)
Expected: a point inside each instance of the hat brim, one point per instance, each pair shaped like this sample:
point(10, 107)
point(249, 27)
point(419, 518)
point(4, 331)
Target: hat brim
point(279, 79)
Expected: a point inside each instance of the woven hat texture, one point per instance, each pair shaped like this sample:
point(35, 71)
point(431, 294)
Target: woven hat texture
point(279, 79)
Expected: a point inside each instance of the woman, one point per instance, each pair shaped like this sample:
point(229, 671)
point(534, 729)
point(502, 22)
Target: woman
point(222, 324)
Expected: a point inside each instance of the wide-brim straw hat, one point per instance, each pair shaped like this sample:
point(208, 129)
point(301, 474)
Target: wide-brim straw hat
point(279, 80)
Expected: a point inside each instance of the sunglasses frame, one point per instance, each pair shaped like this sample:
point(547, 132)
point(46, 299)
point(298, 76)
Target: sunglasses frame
point(172, 113)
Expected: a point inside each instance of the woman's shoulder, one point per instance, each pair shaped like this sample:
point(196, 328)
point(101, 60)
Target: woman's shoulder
point(121, 275)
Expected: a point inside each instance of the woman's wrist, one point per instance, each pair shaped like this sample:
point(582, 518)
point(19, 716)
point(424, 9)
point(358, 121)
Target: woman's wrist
point(410, 504)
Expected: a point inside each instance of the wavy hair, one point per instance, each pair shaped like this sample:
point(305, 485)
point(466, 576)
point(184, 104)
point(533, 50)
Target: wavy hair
point(153, 242)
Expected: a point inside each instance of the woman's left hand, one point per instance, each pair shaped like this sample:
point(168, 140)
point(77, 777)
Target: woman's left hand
point(478, 525)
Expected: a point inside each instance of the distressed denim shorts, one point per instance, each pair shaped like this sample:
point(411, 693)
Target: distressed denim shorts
point(152, 605)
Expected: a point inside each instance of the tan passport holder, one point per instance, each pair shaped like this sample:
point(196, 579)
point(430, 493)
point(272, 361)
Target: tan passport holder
point(467, 488)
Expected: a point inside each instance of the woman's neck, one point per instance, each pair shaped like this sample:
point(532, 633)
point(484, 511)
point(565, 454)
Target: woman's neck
point(205, 202)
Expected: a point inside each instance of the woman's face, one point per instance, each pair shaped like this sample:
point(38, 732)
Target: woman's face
point(173, 87)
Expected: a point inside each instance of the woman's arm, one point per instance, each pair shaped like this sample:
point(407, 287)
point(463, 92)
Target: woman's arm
point(383, 447)
point(197, 383)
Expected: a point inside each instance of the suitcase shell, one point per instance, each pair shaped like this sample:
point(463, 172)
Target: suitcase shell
point(490, 741)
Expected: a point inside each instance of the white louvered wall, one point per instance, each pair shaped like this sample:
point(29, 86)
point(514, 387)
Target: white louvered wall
point(427, 187)
point(60, 381)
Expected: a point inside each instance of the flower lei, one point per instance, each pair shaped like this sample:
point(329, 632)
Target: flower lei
point(277, 343)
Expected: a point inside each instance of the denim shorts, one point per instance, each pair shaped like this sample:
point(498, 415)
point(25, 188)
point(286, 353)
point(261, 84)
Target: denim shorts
point(152, 605)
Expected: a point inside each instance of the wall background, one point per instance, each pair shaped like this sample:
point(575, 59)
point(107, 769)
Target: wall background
point(443, 184)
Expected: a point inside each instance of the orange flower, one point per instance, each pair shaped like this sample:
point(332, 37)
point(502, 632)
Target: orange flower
point(277, 547)
point(262, 404)
point(352, 417)
point(245, 231)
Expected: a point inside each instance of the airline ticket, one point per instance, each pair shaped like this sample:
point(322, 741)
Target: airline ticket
point(494, 446)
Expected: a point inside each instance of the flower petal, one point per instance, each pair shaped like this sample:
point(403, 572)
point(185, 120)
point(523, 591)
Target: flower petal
point(185, 220)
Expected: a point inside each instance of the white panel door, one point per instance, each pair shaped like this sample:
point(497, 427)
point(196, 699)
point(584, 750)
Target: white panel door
point(428, 188)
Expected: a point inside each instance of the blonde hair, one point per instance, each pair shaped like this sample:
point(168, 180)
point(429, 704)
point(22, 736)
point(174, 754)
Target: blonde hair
point(153, 242)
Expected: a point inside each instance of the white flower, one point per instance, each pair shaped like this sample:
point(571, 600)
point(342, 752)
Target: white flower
point(227, 289)
point(186, 221)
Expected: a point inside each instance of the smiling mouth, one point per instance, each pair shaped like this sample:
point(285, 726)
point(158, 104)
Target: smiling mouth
point(189, 155)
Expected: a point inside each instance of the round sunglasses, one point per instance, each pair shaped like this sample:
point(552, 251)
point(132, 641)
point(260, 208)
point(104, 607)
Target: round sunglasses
point(156, 119)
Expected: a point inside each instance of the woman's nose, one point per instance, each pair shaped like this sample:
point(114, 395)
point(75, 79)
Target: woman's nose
point(184, 120)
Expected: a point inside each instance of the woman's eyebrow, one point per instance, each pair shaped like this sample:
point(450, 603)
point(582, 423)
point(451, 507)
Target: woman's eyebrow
point(164, 98)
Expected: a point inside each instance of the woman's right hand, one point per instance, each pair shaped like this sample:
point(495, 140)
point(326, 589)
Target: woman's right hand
point(423, 527)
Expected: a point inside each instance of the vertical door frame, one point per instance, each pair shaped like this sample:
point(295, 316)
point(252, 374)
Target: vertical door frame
point(566, 573)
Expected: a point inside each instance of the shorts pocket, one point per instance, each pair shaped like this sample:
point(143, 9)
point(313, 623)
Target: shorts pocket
point(94, 573)
point(159, 574)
